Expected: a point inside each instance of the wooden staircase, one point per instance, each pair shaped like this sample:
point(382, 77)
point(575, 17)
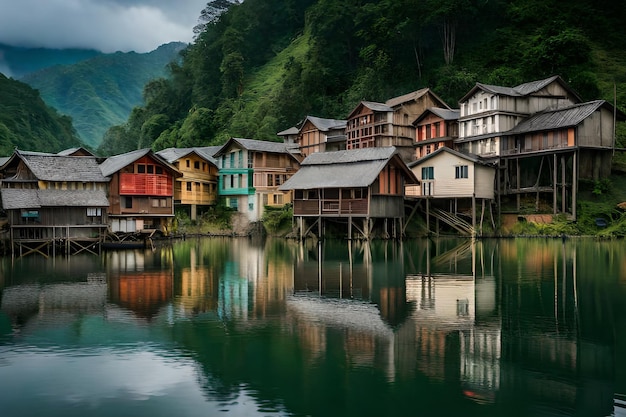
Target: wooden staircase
point(456, 222)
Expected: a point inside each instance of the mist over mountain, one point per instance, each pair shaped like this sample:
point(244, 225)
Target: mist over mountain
point(101, 91)
point(16, 62)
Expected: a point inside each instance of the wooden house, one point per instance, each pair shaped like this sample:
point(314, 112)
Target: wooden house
point(487, 111)
point(196, 189)
point(373, 124)
point(451, 183)
point(435, 128)
point(353, 186)
point(53, 203)
point(544, 156)
point(250, 172)
point(141, 191)
point(321, 135)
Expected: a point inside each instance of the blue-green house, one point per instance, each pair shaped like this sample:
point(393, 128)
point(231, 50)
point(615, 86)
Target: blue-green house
point(250, 172)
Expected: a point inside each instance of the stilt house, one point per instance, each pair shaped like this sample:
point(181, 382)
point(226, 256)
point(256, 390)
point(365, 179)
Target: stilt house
point(54, 203)
point(358, 187)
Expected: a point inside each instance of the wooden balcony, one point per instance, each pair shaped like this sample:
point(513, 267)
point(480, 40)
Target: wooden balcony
point(331, 207)
point(146, 184)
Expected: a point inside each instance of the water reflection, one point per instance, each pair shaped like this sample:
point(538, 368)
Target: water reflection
point(522, 327)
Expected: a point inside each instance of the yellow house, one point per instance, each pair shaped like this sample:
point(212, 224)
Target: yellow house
point(197, 187)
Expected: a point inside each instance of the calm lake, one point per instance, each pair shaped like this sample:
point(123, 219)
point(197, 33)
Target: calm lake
point(237, 327)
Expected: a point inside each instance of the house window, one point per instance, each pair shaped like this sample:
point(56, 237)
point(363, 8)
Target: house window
point(128, 202)
point(159, 170)
point(188, 186)
point(188, 163)
point(141, 169)
point(196, 165)
point(428, 173)
point(150, 169)
point(163, 202)
point(460, 171)
point(270, 180)
point(94, 211)
point(278, 199)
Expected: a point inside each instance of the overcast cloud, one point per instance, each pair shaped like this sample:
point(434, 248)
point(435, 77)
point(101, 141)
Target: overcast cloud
point(105, 25)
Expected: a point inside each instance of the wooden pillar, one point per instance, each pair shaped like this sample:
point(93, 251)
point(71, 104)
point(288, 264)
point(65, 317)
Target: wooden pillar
point(563, 185)
point(473, 215)
point(574, 183)
point(350, 228)
point(519, 185)
point(428, 215)
point(554, 183)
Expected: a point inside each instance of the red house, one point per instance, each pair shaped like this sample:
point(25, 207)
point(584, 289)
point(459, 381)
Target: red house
point(141, 191)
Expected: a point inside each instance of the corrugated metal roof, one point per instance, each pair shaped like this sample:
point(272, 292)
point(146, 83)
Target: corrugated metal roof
point(340, 169)
point(349, 156)
point(63, 168)
point(556, 119)
point(356, 174)
point(13, 198)
point(326, 124)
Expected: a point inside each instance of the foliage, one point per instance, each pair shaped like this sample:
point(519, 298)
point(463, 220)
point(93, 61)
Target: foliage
point(28, 123)
point(277, 220)
point(263, 65)
point(100, 92)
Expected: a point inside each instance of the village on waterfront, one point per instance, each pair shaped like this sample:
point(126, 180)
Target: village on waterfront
point(410, 166)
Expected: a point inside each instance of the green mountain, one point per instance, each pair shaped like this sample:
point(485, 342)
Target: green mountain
point(28, 123)
point(16, 62)
point(100, 92)
point(263, 65)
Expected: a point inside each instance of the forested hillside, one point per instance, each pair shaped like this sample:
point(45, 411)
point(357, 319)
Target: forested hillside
point(28, 123)
point(263, 65)
point(100, 92)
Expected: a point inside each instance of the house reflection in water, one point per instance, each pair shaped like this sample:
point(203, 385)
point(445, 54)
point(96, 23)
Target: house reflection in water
point(245, 283)
point(383, 313)
point(139, 281)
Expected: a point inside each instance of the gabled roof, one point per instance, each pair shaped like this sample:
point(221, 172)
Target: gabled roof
point(560, 118)
point(115, 163)
point(172, 155)
point(17, 198)
point(372, 105)
point(288, 132)
point(52, 167)
point(468, 157)
point(73, 151)
point(325, 124)
point(208, 151)
point(344, 169)
point(254, 145)
point(521, 90)
point(445, 114)
point(414, 95)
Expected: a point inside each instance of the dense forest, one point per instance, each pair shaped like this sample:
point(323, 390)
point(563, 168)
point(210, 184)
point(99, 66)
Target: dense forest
point(263, 65)
point(27, 123)
point(101, 91)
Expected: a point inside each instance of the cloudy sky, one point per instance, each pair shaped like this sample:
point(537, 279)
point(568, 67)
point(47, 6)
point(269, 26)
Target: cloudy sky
point(105, 25)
